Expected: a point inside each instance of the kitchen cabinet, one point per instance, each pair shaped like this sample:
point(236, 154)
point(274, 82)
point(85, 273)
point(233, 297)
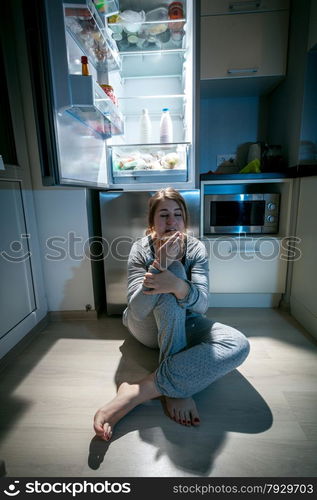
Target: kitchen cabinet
point(247, 265)
point(17, 289)
point(312, 37)
point(303, 295)
point(22, 297)
point(250, 269)
point(240, 45)
point(216, 7)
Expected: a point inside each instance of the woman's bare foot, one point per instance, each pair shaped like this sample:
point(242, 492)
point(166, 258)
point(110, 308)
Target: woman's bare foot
point(183, 411)
point(127, 398)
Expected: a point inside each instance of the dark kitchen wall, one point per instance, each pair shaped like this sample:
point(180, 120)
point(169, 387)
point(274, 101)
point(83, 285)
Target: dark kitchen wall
point(226, 124)
point(308, 136)
point(286, 102)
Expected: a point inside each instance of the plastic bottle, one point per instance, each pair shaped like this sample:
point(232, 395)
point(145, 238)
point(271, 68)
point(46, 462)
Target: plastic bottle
point(166, 126)
point(254, 152)
point(145, 127)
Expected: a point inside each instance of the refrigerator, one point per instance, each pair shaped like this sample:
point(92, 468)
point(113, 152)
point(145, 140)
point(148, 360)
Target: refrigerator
point(124, 220)
point(141, 54)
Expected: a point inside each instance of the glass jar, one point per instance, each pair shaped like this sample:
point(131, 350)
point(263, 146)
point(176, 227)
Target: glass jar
point(108, 89)
point(175, 11)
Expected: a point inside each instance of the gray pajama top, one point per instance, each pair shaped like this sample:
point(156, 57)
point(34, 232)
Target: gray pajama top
point(195, 262)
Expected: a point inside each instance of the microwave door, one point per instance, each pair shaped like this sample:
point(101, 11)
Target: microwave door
point(234, 214)
point(237, 216)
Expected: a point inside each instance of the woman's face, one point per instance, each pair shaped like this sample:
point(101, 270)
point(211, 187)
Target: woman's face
point(168, 217)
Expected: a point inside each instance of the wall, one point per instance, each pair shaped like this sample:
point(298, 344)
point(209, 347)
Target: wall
point(308, 136)
point(225, 124)
point(312, 39)
point(304, 279)
point(286, 102)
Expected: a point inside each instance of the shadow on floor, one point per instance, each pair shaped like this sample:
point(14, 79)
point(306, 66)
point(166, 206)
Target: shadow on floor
point(230, 404)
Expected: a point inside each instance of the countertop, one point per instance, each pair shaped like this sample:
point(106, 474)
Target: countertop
point(291, 172)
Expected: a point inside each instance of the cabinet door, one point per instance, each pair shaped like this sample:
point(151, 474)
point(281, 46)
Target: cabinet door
point(212, 7)
point(22, 296)
point(255, 266)
point(16, 290)
point(312, 37)
point(244, 45)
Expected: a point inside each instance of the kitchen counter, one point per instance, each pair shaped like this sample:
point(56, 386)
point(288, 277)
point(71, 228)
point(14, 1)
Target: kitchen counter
point(262, 175)
point(291, 172)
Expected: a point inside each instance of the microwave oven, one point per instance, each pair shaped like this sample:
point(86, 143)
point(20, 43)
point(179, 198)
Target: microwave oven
point(249, 213)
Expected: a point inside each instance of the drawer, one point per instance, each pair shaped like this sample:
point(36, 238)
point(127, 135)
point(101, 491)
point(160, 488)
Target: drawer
point(215, 7)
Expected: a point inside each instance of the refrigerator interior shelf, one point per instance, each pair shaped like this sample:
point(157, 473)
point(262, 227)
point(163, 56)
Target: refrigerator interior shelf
point(157, 50)
point(167, 146)
point(86, 28)
point(138, 173)
point(159, 64)
point(165, 96)
point(139, 77)
point(89, 101)
point(161, 34)
point(133, 105)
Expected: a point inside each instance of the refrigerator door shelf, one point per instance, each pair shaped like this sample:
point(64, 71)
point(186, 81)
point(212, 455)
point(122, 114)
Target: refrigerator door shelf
point(89, 101)
point(107, 8)
point(84, 25)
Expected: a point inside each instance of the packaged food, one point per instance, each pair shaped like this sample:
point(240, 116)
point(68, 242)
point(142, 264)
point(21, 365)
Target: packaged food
point(132, 20)
point(175, 11)
point(108, 89)
point(159, 14)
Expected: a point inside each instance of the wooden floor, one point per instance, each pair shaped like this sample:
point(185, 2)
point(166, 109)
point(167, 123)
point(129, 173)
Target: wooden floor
point(258, 421)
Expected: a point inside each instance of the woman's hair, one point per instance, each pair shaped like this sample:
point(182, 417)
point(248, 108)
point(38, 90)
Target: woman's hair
point(166, 194)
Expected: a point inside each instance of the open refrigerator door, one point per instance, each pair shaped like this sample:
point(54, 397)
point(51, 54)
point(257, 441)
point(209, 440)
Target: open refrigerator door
point(139, 56)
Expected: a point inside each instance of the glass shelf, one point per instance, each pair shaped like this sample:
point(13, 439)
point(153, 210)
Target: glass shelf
point(90, 103)
point(86, 28)
point(133, 105)
point(163, 34)
point(155, 64)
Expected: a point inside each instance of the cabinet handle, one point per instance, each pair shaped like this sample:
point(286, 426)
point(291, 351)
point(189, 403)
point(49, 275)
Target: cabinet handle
point(236, 6)
point(245, 251)
point(232, 71)
point(2, 167)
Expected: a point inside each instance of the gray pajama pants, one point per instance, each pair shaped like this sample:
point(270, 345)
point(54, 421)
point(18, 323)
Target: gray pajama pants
point(194, 351)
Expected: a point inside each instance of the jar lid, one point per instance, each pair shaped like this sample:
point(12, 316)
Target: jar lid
point(106, 88)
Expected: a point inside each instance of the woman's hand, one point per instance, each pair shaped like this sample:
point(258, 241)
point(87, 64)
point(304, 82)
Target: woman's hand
point(160, 283)
point(168, 249)
point(165, 282)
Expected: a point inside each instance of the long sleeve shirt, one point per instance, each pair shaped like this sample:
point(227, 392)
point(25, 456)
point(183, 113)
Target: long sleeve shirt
point(195, 264)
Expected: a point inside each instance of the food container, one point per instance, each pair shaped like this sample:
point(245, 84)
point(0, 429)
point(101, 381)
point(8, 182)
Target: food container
point(108, 89)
